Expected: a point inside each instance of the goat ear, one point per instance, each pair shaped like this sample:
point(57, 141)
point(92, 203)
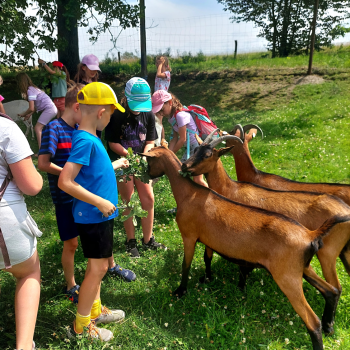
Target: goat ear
point(251, 134)
point(224, 150)
point(147, 155)
point(199, 140)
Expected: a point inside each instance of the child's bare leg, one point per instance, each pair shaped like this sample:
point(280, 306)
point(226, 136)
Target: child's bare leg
point(69, 248)
point(90, 288)
point(111, 262)
point(146, 195)
point(26, 300)
point(38, 131)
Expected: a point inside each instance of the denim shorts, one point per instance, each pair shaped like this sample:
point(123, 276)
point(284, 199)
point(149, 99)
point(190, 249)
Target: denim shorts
point(193, 146)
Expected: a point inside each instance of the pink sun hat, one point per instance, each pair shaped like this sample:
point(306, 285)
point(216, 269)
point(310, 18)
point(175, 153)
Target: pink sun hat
point(158, 100)
point(91, 61)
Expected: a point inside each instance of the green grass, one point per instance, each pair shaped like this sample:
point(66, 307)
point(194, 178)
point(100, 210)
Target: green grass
point(306, 130)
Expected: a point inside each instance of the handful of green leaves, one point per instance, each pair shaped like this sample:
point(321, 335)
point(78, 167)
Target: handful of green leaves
point(135, 209)
point(138, 167)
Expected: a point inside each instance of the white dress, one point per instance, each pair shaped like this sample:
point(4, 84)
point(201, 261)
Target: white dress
point(18, 228)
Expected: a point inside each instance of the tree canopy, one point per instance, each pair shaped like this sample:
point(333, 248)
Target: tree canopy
point(287, 24)
point(22, 34)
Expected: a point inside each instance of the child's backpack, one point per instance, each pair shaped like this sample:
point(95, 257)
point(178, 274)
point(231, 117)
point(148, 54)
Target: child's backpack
point(203, 122)
point(201, 117)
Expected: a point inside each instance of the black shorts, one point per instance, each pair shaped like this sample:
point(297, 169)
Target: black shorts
point(97, 239)
point(67, 228)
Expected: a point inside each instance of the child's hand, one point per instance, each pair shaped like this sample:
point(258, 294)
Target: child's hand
point(40, 61)
point(120, 163)
point(106, 207)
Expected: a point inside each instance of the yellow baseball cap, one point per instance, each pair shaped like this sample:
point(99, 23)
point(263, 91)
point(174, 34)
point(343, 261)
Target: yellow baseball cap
point(99, 94)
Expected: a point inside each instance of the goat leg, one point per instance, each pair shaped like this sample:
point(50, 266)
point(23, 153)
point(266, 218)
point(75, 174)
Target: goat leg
point(330, 294)
point(208, 257)
point(345, 257)
point(186, 265)
point(244, 272)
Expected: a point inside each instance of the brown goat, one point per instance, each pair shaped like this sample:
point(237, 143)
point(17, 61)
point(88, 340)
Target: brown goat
point(245, 235)
point(246, 171)
point(309, 209)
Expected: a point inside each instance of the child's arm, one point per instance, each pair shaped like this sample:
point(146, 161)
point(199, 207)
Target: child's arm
point(160, 74)
point(66, 182)
point(118, 149)
point(45, 164)
point(26, 115)
point(46, 66)
point(120, 163)
point(2, 109)
point(180, 139)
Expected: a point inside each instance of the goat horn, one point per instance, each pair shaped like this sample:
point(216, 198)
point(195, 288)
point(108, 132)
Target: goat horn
point(250, 126)
point(240, 128)
point(210, 136)
point(223, 138)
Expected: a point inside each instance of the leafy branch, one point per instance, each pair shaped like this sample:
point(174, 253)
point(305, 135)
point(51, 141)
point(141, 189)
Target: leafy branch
point(135, 209)
point(138, 167)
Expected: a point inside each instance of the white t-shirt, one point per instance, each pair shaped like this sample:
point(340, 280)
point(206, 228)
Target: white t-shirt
point(13, 147)
point(184, 118)
point(163, 83)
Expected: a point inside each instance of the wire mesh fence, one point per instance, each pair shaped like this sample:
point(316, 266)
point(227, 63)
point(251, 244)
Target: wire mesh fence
point(209, 34)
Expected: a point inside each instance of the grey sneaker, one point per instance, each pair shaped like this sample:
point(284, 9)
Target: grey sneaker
point(152, 244)
point(33, 347)
point(94, 332)
point(109, 316)
point(131, 248)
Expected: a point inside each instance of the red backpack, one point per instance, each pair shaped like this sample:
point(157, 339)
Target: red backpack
point(201, 117)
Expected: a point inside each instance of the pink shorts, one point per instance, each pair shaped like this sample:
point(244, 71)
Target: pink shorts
point(47, 114)
point(59, 103)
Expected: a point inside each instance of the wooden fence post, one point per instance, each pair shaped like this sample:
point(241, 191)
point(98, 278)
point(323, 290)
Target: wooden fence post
point(119, 57)
point(236, 44)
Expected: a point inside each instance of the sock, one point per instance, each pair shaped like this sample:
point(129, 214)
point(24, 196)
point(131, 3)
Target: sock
point(96, 309)
point(81, 322)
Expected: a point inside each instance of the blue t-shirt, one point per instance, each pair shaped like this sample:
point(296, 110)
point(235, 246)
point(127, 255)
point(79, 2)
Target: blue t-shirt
point(96, 175)
point(57, 140)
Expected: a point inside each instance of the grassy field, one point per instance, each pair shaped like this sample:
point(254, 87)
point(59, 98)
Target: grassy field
point(306, 129)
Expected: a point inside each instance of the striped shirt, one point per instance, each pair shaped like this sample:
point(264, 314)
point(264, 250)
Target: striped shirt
point(57, 141)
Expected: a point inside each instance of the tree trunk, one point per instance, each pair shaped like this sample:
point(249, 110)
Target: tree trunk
point(67, 31)
point(283, 50)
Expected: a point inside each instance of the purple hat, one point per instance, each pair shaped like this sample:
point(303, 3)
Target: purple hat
point(91, 61)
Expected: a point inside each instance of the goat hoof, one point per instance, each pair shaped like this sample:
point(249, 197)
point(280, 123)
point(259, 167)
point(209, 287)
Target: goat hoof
point(327, 329)
point(204, 279)
point(180, 292)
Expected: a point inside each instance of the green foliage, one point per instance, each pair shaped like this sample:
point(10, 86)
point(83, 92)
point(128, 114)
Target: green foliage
point(286, 24)
point(305, 139)
point(23, 34)
point(135, 209)
point(138, 167)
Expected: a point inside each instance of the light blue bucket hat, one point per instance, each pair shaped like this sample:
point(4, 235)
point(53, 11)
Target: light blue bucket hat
point(138, 95)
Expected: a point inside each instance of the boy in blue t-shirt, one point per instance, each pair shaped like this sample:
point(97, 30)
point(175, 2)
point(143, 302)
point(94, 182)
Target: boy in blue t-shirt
point(89, 177)
point(54, 152)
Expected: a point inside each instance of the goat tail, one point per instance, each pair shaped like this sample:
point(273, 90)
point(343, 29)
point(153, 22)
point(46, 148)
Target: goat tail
point(318, 234)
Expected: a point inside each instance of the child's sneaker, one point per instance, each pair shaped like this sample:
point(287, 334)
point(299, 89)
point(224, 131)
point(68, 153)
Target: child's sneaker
point(152, 244)
point(94, 332)
point(73, 294)
point(109, 316)
point(125, 274)
point(131, 248)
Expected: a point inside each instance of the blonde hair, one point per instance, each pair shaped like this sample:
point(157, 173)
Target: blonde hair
point(1, 81)
point(176, 106)
point(23, 83)
point(80, 76)
point(166, 62)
